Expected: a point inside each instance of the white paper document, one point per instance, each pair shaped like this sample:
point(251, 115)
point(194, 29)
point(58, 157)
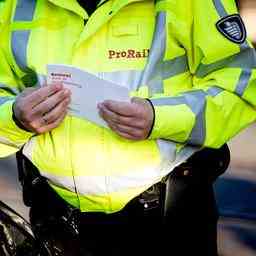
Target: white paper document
point(87, 91)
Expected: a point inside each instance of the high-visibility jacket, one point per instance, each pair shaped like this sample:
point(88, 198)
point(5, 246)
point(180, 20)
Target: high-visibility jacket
point(201, 83)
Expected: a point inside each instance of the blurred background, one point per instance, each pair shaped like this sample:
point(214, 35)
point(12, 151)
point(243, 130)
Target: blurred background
point(235, 190)
point(248, 12)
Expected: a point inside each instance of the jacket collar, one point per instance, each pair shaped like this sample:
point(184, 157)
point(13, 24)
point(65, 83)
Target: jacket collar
point(71, 5)
point(102, 15)
point(74, 6)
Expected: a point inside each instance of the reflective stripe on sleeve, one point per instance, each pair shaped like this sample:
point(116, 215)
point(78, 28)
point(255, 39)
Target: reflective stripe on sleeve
point(220, 8)
point(243, 81)
point(244, 59)
point(11, 90)
point(174, 67)
point(24, 12)
point(196, 101)
point(214, 91)
point(3, 100)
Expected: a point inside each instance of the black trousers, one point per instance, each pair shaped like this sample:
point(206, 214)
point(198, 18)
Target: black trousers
point(183, 223)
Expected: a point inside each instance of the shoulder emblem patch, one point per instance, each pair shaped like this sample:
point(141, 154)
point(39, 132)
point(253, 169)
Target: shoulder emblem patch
point(233, 28)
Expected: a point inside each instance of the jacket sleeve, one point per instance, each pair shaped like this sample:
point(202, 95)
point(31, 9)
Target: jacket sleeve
point(222, 99)
point(12, 137)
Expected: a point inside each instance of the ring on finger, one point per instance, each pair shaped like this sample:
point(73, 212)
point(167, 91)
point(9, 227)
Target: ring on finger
point(45, 119)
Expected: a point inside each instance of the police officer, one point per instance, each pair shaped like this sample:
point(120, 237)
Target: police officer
point(190, 71)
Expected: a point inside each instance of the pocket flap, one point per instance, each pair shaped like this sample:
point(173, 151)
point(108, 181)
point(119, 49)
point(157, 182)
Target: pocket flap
point(125, 30)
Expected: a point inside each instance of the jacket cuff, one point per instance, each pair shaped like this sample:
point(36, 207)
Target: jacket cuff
point(173, 122)
point(8, 128)
point(16, 121)
point(154, 117)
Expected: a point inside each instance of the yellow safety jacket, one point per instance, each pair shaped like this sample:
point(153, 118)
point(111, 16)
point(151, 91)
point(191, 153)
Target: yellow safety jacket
point(201, 83)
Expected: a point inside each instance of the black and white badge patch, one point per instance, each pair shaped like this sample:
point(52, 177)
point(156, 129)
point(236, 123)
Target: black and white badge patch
point(232, 27)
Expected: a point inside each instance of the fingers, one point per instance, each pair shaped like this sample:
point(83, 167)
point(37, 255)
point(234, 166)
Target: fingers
point(130, 120)
point(52, 125)
point(41, 94)
point(52, 119)
point(54, 114)
point(123, 134)
point(127, 131)
point(39, 117)
point(110, 116)
point(49, 118)
point(121, 108)
point(50, 102)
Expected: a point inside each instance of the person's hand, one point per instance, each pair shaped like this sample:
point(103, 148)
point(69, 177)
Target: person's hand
point(40, 110)
point(130, 120)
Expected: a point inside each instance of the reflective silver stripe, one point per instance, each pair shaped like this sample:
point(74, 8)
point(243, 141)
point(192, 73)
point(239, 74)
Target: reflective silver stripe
point(196, 101)
point(167, 149)
point(152, 76)
point(175, 67)
point(8, 142)
point(96, 185)
point(157, 69)
point(133, 78)
point(3, 100)
point(10, 90)
point(128, 78)
point(246, 72)
point(244, 59)
point(24, 12)
point(171, 157)
point(28, 148)
point(185, 153)
point(19, 48)
point(168, 101)
point(214, 91)
point(220, 8)
point(243, 81)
